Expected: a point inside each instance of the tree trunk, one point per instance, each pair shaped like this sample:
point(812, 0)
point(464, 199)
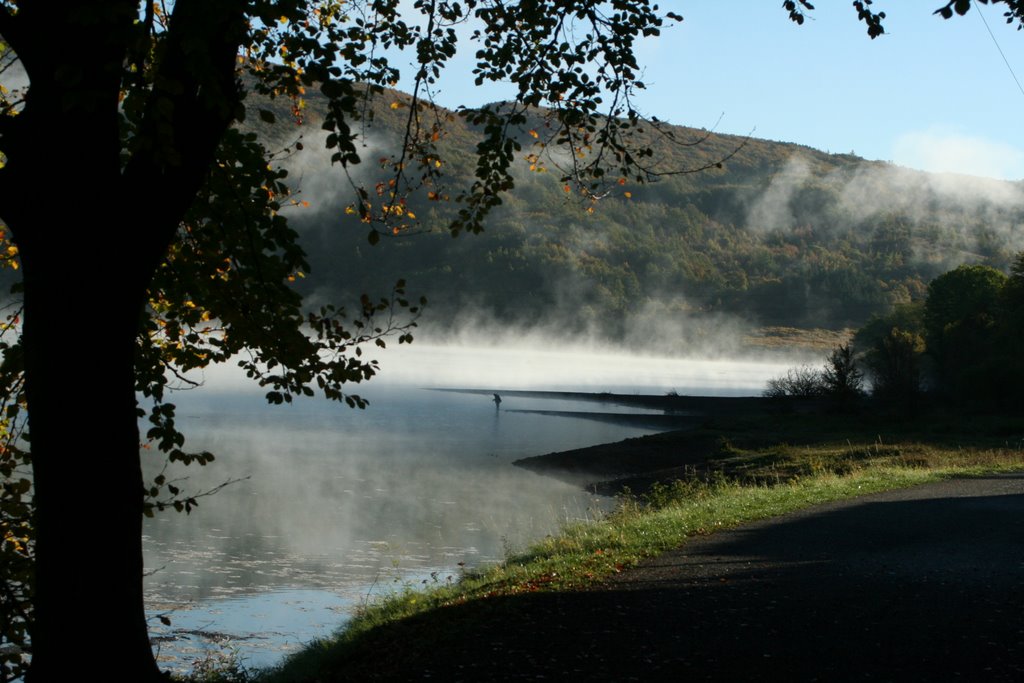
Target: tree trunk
point(79, 340)
point(83, 297)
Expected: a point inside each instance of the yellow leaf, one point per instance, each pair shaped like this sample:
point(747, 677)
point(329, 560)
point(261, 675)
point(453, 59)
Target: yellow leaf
point(629, 195)
point(411, 215)
point(533, 134)
point(394, 105)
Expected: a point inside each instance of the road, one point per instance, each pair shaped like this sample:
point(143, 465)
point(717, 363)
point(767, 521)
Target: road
point(923, 584)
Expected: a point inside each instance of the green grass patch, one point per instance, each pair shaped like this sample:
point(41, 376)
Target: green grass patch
point(744, 484)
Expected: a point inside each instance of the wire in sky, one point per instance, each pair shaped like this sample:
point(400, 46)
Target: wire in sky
point(1005, 60)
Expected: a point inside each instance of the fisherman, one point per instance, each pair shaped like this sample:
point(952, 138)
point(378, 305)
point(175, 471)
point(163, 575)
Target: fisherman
point(497, 402)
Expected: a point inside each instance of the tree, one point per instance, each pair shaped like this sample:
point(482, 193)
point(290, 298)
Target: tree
point(1009, 333)
point(842, 379)
point(139, 104)
point(800, 382)
point(964, 293)
point(895, 365)
point(960, 318)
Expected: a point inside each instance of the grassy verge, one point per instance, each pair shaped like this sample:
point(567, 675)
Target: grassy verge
point(745, 484)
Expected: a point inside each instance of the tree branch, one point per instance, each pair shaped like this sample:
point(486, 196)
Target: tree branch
point(196, 97)
point(10, 30)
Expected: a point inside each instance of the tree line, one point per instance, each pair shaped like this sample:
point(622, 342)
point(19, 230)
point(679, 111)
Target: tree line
point(958, 347)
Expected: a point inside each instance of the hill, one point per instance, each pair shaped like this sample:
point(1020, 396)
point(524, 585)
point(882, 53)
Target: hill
point(779, 235)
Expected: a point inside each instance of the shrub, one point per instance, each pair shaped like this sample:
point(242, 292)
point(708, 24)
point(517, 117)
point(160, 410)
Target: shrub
point(841, 378)
point(802, 382)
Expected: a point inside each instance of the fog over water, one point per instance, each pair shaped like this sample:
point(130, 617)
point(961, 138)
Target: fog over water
point(341, 504)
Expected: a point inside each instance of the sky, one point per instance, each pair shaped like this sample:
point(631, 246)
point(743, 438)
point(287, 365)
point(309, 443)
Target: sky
point(931, 94)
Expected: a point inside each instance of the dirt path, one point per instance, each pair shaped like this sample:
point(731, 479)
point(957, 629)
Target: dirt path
point(920, 584)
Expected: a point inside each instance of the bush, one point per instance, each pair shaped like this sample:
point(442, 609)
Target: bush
point(842, 379)
point(802, 382)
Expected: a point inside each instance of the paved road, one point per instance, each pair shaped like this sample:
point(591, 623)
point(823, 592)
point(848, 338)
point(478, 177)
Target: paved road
point(922, 584)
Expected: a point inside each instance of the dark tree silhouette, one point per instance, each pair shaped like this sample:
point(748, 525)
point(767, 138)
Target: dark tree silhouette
point(842, 379)
point(130, 107)
point(960, 318)
point(895, 364)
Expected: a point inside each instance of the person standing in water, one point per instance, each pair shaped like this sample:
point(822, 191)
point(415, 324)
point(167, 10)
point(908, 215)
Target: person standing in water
point(497, 402)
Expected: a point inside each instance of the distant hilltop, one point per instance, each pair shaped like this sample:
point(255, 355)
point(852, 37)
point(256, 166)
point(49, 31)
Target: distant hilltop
point(781, 235)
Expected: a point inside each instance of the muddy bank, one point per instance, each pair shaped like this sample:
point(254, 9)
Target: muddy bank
point(636, 463)
point(663, 422)
point(683, 449)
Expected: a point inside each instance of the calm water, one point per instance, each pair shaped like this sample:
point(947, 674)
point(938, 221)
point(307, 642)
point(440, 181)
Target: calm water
point(340, 505)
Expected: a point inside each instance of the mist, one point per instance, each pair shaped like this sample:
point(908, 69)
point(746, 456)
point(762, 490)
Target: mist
point(980, 213)
point(683, 267)
point(332, 504)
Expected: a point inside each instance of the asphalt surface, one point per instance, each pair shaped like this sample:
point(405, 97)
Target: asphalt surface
point(923, 584)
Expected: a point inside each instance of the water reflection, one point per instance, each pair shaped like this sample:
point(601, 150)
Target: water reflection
point(348, 503)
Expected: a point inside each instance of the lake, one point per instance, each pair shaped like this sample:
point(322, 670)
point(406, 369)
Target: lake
point(339, 505)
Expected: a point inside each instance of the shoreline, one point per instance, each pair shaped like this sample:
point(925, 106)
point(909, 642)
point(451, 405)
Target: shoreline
point(670, 403)
point(688, 441)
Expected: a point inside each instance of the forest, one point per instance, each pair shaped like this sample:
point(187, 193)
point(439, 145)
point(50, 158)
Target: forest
point(766, 233)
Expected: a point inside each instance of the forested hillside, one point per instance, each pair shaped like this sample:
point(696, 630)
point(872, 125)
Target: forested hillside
point(781, 234)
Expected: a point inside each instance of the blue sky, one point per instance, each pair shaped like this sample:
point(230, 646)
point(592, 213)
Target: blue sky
point(931, 94)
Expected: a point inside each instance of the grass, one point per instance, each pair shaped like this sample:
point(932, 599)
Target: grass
point(753, 475)
point(790, 338)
